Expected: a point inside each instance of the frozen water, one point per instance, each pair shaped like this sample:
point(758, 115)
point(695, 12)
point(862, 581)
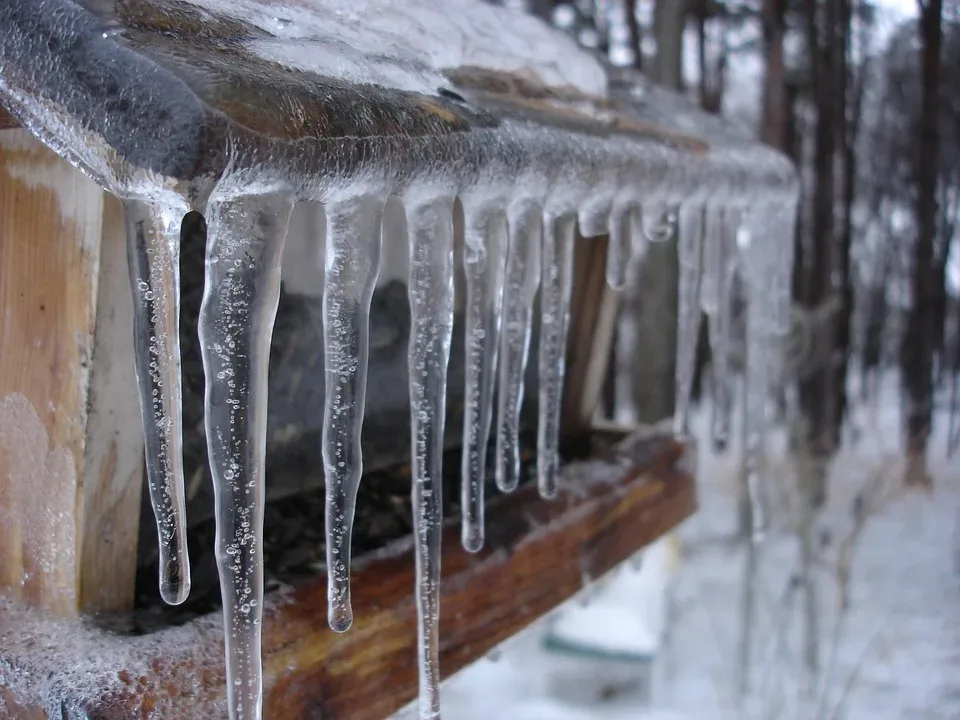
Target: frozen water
point(167, 140)
point(154, 257)
point(244, 245)
point(484, 255)
point(520, 287)
point(721, 325)
point(430, 289)
point(556, 282)
point(690, 241)
point(351, 267)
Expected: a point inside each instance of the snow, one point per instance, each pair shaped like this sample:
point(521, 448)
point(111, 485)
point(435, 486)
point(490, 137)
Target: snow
point(898, 652)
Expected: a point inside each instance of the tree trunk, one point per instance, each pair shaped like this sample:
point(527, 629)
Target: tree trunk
point(918, 341)
point(669, 17)
point(635, 32)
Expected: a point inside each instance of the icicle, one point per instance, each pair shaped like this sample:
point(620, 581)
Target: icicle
point(556, 283)
point(760, 276)
point(352, 264)
point(486, 242)
point(522, 277)
point(690, 246)
point(639, 240)
point(153, 246)
point(713, 259)
point(784, 221)
point(658, 221)
point(430, 289)
point(619, 248)
point(721, 326)
point(244, 244)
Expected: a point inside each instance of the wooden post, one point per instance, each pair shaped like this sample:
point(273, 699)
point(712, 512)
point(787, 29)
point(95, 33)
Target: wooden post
point(70, 448)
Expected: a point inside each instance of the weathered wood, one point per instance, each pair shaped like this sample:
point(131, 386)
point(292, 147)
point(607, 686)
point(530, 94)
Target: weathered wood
point(69, 476)
point(592, 318)
point(537, 556)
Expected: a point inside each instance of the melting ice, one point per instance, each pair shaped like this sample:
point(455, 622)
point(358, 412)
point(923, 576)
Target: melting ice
point(519, 242)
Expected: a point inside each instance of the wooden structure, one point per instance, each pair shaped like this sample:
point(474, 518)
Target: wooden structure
point(70, 445)
point(537, 555)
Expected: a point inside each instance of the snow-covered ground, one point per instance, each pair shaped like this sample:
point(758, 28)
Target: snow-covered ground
point(896, 654)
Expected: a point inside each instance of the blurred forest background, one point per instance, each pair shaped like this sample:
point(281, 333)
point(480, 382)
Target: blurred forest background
point(865, 96)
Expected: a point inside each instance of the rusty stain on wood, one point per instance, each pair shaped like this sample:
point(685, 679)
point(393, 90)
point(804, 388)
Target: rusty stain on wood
point(536, 557)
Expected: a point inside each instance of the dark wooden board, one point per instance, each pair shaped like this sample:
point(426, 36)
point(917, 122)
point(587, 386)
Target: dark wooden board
point(538, 554)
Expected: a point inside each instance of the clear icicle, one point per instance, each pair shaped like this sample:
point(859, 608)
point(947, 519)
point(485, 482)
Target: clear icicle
point(430, 290)
point(761, 273)
point(639, 240)
point(713, 258)
point(619, 248)
point(690, 247)
point(486, 242)
point(522, 277)
point(352, 264)
point(721, 327)
point(556, 283)
point(244, 244)
point(153, 246)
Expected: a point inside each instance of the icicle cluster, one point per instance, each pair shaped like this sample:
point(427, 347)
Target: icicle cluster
point(525, 190)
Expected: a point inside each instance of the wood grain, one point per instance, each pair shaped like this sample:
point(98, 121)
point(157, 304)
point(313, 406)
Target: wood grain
point(538, 555)
point(51, 232)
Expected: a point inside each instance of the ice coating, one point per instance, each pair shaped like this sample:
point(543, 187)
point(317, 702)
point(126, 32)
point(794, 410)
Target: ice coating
point(620, 248)
point(351, 267)
point(721, 321)
point(407, 44)
point(556, 283)
point(158, 125)
point(768, 226)
point(689, 250)
point(522, 278)
point(153, 251)
point(244, 245)
point(484, 256)
point(430, 290)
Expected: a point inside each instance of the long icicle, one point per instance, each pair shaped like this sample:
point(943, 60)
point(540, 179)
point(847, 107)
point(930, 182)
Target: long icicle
point(244, 245)
point(153, 247)
point(759, 277)
point(690, 247)
point(519, 290)
point(351, 268)
point(484, 252)
point(430, 290)
point(721, 327)
point(556, 284)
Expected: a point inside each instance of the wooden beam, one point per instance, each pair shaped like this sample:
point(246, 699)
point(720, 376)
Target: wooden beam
point(537, 556)
point(69, 439)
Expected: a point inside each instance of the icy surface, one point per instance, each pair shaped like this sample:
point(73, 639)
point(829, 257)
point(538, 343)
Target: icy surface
point(351, 266)
point(484, 256)
point(430, 289)
point(408, 44)
point(154, 257)
point(690, 249)
point(556, 282)
point(244, 246)
point(520, 288)
point(636, 170)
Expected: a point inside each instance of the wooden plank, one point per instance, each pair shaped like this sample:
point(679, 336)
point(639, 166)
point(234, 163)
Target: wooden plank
point(537, 556)
point(51, 228)
point(113, 455)
point(590, 338)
